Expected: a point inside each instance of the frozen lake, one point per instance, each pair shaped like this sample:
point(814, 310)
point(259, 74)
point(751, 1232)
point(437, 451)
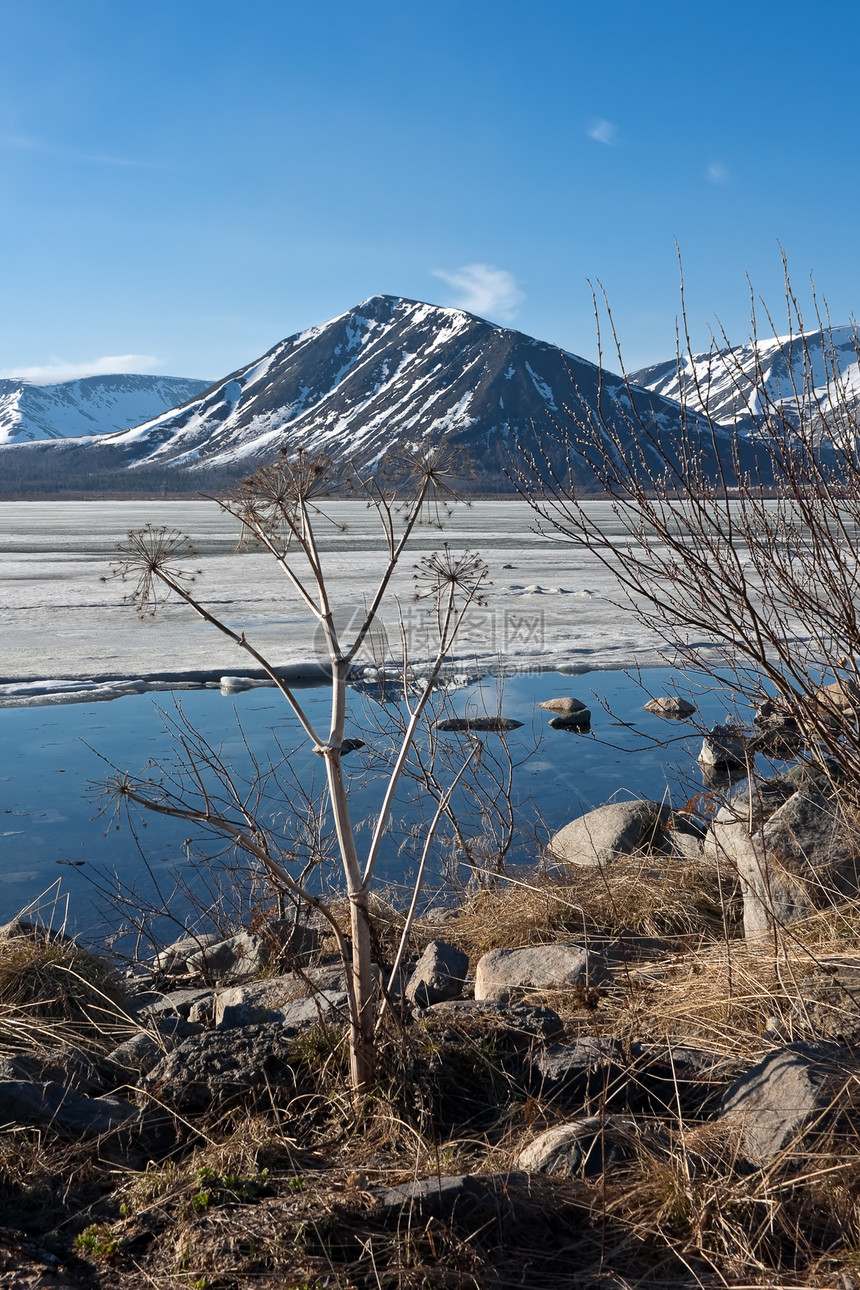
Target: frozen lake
point(548, 605)
point(68, 640)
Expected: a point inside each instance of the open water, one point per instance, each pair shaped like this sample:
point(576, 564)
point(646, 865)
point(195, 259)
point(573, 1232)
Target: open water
point(55, 759)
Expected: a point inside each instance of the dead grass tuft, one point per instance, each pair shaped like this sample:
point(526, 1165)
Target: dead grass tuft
point(54, 992)
point(636, 894)
point(722, 997)
point(794, 1222)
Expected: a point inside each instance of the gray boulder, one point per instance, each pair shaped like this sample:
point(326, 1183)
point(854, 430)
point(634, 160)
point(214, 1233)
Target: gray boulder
point(670, 706)
point(176, 1003)
point(618, 828)
point(577, 721)
point(71, 1067)
point(775, 714)
point(592, 1066)
point(62, 1108)
point(284, 999)
point(519, 1020)
point(683, 844)
point(223, 1067)
point(503, 975)
point(792, 1091)
point(585, 1147)
point(565, 707)
point(809, 842)
point(798, 857)
point(725, 746)
point(143, 1051)
point(247, 954)
point(202, 1011)
point(232, 1010)
point(751, 805)
point(439, 975)
point(174, 958)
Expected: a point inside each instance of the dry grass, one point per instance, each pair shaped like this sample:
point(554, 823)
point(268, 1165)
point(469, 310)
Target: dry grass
point(639, 894)
point(722, 997)
point(284, 1196)
point(685, 1213)
point(734, 1227)
point(52, 992)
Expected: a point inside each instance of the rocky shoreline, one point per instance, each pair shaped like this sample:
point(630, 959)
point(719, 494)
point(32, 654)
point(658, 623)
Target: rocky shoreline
point(670, 997)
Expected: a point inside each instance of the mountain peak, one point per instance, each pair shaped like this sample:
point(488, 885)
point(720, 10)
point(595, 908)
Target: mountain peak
point(388, 375)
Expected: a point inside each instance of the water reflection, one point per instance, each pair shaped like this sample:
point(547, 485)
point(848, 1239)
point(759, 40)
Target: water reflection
point(53, 759)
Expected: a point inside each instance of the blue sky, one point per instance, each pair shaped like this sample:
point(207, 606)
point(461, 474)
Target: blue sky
point(187, 181)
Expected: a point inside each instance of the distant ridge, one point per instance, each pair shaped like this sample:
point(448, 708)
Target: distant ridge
point(822, 368)
point(88, 406)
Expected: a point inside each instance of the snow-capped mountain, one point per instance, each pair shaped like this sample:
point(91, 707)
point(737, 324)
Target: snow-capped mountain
point(737, 385)
point(389, 374)
point(92, 405)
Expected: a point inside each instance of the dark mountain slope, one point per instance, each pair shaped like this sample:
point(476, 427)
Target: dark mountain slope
point(389, 374)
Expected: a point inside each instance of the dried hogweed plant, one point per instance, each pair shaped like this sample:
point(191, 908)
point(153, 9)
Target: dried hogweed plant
point(280, 509)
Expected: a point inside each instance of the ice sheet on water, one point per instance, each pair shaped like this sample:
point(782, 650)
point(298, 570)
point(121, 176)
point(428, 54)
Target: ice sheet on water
point(61, 622)
point(33, 693)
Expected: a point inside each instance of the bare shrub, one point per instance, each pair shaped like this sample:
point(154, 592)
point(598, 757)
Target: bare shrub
point(740, 550)
point(280, 509)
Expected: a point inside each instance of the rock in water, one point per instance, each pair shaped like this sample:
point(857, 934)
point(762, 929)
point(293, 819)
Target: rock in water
point(492, 724)
point(578, 721)
point(565, 707)
point(670, 706)
point(725, 746)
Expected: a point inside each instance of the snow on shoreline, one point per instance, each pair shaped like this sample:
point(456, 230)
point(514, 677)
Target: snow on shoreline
point(67, 636)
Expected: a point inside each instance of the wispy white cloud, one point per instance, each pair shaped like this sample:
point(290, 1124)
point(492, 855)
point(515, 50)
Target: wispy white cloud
point(25, 143)
point(57, 370)
point(483, 289)
point(604, 132)
point(717, 173)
